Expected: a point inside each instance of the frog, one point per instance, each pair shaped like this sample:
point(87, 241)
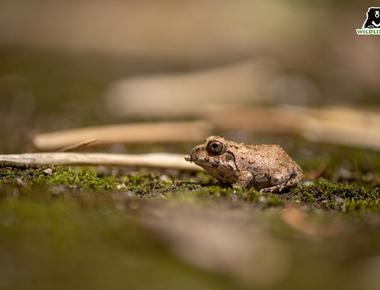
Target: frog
point(266, 167)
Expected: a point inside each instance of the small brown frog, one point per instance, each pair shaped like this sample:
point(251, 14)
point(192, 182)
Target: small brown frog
point(266, 167)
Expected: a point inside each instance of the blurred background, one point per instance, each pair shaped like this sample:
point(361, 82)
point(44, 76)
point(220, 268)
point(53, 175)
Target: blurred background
point(94, 62)
point(68, 64)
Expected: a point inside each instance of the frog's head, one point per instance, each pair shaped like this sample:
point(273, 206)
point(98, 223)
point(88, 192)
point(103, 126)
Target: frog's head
point(213, 153)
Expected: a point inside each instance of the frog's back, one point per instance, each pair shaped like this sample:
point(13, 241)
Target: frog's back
point(268, 158)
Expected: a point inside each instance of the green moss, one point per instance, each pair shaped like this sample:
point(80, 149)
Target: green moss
point(319, 194)
point(338, 196)
point(70, 177)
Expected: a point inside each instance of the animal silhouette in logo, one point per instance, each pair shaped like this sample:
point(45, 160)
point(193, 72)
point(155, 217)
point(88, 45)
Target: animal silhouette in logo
point(373, 18)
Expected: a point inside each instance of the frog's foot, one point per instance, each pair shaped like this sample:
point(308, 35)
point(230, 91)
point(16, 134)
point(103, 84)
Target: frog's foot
point(292, 181)
point(276, 188)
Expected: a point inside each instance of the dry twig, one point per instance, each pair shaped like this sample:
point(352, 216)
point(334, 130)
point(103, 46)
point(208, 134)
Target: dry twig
point(190, 93)
point(157, 132)
point(153, 160)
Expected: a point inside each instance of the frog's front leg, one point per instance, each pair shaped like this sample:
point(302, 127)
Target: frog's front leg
point(243, 180)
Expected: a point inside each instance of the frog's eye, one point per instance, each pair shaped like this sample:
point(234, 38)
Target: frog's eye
point(215, 147)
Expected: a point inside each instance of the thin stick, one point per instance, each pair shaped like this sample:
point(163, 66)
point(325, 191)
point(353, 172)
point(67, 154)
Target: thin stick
point(153, 160)
point(76, 146)
point(157, 132)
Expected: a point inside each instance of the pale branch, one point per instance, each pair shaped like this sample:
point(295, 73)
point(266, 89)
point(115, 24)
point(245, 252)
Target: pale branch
point(152, 160)
point(155, 132)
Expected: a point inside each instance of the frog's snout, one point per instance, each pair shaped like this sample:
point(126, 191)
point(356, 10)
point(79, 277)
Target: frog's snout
point(195, 154)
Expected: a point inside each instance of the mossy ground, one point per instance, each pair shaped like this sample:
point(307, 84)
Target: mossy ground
point(78, 227)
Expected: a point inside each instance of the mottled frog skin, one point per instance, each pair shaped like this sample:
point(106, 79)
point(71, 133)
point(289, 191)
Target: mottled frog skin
point(265, 167)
